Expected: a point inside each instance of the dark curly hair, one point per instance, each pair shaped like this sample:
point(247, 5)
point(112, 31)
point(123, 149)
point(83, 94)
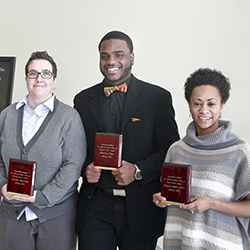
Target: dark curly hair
point(41, 55)
point(206, 76)
point(117, 35)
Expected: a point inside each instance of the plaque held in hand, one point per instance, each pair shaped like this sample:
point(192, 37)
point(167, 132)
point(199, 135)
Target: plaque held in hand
point(176, 183)
point(21, 179)
point(108, 151)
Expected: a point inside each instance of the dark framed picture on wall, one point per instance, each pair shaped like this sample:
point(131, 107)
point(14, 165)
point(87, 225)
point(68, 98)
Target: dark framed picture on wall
point(7, 72)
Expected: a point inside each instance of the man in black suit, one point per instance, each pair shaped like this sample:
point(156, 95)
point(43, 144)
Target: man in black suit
point(115, 208)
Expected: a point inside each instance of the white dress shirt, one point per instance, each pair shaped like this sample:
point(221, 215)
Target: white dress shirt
point(32, 120)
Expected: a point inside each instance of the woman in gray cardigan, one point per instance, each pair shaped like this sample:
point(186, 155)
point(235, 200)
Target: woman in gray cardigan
point(40, 128)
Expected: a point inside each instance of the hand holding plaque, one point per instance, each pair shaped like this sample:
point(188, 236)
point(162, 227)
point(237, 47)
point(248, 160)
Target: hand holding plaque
point(21, 179)
point(108, 151)
point(176, 183)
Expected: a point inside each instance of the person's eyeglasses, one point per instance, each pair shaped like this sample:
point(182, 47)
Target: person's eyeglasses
point(44, 74)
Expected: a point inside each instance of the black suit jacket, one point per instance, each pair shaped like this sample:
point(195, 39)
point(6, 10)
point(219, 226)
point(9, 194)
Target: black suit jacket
point(145, 143)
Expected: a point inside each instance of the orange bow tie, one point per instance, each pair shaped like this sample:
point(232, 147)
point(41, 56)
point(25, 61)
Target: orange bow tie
point(109, 90)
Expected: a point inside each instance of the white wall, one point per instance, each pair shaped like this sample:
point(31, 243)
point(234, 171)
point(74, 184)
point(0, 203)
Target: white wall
point(171, 40)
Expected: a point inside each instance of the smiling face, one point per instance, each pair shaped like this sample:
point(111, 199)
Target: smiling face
point(205, 106)
point(115, 61)
point(40, 89)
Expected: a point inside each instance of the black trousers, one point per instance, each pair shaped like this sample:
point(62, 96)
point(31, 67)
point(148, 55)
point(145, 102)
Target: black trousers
point(106, 226)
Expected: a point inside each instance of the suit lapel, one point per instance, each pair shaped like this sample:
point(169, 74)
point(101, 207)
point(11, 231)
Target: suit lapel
point(132, 102)
point(96, 103)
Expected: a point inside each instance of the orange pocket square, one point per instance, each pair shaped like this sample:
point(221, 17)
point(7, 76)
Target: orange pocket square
point(135, 119)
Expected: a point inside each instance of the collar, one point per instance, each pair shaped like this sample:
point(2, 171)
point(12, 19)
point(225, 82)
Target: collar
point(223, 137)
point(48, 104)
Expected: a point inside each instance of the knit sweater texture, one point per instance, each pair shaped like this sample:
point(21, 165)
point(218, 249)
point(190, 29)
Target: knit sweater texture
point(220, 169)
point(58, 147)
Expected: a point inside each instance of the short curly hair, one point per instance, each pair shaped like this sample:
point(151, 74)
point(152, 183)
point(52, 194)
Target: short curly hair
point(206, 76)
point(41, 55)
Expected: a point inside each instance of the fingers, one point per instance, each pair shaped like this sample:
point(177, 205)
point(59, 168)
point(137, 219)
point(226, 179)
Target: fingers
point(92, 173)
point(6, 194)
point(26, 199)
point(189, 207)
point(125, 174)
point(10, 197)
point(157, 196)
point(193, 205)
point(161, 204)
point(160, 201)
point(192, 199)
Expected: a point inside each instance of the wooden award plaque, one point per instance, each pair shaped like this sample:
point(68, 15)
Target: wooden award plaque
point(108, 151)
point(21, 179)
point(176, 183)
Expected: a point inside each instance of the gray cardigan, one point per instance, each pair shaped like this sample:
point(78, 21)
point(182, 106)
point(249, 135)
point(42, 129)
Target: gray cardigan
point(59, 148)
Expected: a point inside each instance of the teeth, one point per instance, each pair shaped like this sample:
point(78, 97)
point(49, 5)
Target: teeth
point(204, 118)
point(113, 69)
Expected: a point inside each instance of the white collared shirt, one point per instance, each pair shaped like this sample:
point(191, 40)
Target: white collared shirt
point(32, 121)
